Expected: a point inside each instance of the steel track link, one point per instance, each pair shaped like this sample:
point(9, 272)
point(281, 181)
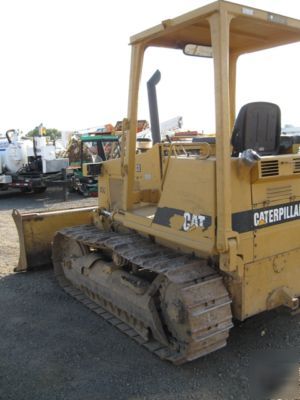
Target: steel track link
point(205, 301)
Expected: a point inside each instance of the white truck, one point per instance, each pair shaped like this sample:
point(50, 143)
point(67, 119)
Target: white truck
point(28, 165)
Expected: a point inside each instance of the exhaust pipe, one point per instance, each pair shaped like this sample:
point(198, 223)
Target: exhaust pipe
point(8, 136)
point(153, 108)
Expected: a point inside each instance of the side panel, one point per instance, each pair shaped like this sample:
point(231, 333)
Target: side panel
point(187, 206)
point(148, 170)
point(269, 236)
point(146, 184)
point(271, 282)
point(110, 185)
point(277, 205)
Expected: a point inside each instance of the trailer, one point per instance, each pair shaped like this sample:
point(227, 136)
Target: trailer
point(29, 165)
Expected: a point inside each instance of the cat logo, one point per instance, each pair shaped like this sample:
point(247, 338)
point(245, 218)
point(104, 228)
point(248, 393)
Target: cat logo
point(274, 215)
point(192, 221)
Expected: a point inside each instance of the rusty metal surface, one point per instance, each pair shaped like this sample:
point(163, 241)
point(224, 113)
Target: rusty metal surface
point(182, 313)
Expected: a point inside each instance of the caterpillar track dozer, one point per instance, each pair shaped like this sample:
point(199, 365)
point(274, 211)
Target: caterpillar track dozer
point(187, 236)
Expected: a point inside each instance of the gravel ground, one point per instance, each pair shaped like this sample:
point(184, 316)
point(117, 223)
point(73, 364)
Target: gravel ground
point(52, 347)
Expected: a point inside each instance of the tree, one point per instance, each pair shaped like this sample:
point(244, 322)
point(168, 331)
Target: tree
point(52, 133)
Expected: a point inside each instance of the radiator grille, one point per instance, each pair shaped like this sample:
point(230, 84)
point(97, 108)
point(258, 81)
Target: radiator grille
point(269, 168)
point(279, 192)
point(296, 165)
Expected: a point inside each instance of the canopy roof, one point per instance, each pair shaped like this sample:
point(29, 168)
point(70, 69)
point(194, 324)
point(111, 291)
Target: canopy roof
point(250, 29)
point(94, 138)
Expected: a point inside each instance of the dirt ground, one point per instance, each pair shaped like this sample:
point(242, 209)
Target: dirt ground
point(52, 347)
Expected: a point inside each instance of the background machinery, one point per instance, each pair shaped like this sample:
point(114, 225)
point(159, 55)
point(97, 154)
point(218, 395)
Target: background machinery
point(187, 236)
point(86, 152)
point(28, 165)
point(85, 166)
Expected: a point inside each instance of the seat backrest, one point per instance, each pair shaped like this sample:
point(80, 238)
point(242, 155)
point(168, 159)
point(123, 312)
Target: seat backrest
point(257, 127)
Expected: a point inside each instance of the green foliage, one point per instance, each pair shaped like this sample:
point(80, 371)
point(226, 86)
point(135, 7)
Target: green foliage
point(52, 133)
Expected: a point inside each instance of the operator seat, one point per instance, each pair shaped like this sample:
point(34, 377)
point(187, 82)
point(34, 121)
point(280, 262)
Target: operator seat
point(257, 127)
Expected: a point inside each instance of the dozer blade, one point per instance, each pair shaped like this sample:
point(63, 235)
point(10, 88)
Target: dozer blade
point(36, 231)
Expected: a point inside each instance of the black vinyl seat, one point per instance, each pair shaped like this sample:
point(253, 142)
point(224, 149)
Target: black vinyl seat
point(257, 127)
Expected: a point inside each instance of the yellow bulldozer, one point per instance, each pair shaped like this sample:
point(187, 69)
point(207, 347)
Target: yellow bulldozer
point(187, 236)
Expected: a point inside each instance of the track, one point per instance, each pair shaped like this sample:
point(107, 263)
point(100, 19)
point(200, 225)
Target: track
point(186, 311)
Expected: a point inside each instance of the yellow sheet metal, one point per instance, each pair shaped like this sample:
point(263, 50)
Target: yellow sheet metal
point(36, 231)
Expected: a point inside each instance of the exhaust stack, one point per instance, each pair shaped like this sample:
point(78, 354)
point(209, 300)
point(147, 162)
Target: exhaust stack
point(153, 108)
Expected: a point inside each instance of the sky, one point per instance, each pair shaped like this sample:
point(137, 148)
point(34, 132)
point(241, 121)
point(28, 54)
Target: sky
point(65, 63)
